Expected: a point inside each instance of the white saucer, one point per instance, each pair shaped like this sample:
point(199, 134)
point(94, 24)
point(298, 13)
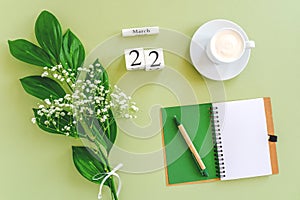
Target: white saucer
point(199, 57)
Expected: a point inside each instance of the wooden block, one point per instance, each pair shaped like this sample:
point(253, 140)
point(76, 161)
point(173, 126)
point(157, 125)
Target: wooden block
point(154, 59)
point(134, 59)
point(140, 31)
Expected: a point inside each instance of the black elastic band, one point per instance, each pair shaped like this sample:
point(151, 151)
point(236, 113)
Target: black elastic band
point(273, 138)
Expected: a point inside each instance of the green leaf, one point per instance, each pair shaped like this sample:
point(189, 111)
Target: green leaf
point(56, 125)
point(89, 163)
point(42, 87)
point(111, 132)
point(49, 35)
point(72, 54)
point(29, 53)
point(108, 133)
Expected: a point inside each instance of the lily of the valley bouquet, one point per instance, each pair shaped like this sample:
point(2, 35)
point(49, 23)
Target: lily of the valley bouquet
point(76, 101)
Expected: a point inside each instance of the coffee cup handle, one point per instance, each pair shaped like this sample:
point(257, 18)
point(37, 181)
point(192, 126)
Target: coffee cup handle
point(250, 44)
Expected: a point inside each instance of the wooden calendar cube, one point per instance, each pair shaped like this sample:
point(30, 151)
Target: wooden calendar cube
point(134, 59)
point(154, 59)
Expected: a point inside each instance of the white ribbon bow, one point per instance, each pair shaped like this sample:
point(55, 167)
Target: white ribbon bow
point(107, 175)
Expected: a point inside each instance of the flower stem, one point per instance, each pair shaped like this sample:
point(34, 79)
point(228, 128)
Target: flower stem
point(111, 179)
point(112, 186)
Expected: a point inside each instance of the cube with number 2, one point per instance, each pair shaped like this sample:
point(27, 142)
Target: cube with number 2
point(134, 59)
point(154, 59)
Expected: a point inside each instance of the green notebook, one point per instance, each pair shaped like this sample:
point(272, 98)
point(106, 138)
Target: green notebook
point(235, 139)
point(180, 164)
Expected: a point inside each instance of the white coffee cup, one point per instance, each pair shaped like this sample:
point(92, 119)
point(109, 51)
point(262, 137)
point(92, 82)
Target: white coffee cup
point(227, 45)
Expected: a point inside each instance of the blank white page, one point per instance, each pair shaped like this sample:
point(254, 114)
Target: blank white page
point(244, 138)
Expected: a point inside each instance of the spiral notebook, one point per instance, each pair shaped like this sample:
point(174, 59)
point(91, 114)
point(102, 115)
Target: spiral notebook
point(234, 139)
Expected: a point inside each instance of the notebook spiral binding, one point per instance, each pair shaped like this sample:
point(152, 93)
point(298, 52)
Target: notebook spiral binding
point(217, 139)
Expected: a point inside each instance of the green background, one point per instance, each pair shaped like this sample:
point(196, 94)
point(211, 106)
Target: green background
point(36, 165)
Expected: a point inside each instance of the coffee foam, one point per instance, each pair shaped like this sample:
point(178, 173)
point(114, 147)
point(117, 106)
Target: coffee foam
point(228, 45)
